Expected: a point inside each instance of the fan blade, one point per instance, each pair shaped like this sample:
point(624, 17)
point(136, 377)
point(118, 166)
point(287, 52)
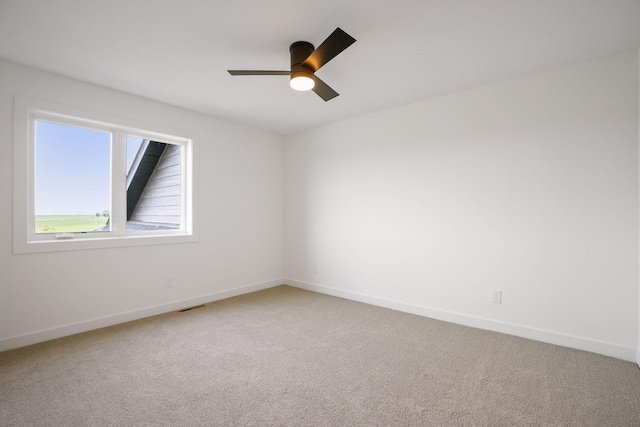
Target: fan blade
point(329, 49)
point(323, 90)
point(258, 73)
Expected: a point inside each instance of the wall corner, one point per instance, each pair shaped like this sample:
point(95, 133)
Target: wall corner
point(638, 128)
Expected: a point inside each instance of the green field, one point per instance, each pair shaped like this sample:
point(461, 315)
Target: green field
point(69, 223)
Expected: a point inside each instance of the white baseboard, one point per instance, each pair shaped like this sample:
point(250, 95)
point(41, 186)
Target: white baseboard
point(88, 325)
point(581, 343)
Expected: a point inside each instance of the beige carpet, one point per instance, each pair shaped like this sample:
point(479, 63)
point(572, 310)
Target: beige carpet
point(285, 356)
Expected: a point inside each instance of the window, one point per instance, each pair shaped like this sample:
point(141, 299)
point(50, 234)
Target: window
point(84, 180)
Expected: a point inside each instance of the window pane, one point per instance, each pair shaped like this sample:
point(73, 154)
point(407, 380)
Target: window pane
point(72, 179)
point(153, 185)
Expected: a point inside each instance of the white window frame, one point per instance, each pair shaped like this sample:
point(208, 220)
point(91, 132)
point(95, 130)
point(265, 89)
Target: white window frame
point(27, 111)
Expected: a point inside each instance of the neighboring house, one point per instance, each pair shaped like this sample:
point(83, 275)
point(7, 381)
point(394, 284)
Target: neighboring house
point(153, 188)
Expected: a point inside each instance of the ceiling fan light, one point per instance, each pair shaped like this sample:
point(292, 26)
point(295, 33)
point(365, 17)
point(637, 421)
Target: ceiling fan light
point(302, 81)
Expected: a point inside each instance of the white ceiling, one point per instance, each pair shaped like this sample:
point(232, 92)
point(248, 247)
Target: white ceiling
point(407, 50)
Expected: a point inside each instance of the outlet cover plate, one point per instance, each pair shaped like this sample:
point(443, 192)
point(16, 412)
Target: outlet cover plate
point(496, 297)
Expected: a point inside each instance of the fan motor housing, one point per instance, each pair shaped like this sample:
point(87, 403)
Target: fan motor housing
point(300, 51)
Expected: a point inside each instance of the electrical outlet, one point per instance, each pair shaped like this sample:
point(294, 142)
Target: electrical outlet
point(497, 297)
point(168, 283)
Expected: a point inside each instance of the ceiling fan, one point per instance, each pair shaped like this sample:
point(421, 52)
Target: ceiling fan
point(305, 61)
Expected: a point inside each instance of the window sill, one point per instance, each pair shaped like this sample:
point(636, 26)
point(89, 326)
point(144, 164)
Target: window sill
point(86, 243)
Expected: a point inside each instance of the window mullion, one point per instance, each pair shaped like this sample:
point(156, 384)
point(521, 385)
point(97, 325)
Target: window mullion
point(119, 183)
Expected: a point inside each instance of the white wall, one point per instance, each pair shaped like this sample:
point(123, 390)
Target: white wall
point(46, 295)
point(528, 186)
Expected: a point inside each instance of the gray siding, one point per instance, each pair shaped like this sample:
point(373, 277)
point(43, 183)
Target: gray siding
point(160, 200)
point(145, 163)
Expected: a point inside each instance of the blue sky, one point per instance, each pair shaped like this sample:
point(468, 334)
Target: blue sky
point(73, 169)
